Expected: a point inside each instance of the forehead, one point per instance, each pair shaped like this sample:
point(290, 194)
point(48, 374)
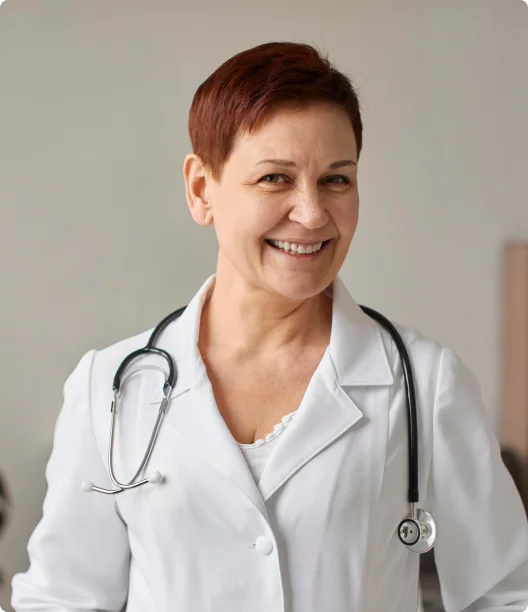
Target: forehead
point(322, 129)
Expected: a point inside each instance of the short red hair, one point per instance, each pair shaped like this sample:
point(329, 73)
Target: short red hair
point(240, 93)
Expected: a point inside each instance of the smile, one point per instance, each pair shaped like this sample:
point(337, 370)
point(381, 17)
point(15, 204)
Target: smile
point(298, 250)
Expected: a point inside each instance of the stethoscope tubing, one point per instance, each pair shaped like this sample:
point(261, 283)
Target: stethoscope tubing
point(413, 491)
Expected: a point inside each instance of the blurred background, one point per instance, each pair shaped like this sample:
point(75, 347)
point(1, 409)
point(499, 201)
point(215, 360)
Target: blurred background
point(96, 242)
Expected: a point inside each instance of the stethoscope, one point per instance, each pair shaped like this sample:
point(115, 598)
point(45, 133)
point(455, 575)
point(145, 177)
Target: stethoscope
point(417, 530)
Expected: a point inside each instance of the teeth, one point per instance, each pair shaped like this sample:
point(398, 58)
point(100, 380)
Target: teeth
point(300, 249)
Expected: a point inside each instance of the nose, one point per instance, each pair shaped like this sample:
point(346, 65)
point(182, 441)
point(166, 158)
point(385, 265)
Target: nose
point(309, 210)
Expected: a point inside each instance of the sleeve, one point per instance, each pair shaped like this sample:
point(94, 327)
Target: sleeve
point(481, 551)
point(79, 552)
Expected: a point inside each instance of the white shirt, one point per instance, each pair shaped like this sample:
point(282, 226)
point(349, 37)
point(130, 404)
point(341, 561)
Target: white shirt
point(258, 453)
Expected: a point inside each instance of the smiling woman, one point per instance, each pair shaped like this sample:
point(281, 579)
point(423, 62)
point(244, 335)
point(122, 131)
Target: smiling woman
point(288, 449)
point(306, 203)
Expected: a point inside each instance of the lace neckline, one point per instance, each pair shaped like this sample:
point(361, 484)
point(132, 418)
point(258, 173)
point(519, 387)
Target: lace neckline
point(278, 429)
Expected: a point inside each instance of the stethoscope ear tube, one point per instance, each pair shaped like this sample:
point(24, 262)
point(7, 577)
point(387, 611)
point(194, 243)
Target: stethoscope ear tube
point(150, 348)
point(169, 384)
point(171, 379)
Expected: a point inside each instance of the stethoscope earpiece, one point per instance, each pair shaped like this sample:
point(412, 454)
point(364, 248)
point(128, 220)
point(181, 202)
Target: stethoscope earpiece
point(87, 486)
point(155, 478)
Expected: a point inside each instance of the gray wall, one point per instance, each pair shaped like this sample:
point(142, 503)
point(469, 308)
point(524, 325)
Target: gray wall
point(96, 242)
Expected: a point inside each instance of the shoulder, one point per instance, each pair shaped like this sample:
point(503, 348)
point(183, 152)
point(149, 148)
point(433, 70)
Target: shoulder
point(447, 387)
point(91, 382)
point(425, 352)
point(438, 370)
point(107, 359)
point(97, 367)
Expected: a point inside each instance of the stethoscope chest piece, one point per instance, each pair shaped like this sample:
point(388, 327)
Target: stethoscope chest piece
point(418, 532)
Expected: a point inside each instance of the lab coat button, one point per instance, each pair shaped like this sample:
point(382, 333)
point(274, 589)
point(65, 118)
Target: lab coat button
point(263, 545)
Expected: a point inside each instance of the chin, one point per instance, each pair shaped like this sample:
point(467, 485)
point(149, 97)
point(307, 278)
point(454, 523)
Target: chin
point(299, 288)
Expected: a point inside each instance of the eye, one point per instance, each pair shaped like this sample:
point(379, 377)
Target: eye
point(337, 176)
point(345, 178)
point(267, 176)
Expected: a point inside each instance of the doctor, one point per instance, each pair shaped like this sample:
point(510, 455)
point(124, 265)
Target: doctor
point(284, 446)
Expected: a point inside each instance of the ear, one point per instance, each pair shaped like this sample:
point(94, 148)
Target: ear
point(196, 192)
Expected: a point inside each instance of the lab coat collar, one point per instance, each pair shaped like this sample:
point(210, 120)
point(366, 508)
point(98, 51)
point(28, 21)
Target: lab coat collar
point(356, 347)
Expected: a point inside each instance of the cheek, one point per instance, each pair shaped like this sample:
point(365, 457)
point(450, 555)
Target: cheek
point(239, 233)
point(230, 224)
point(346, 219)
point(260, 221)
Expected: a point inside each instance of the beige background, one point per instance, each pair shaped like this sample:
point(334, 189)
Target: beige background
point(96, 242)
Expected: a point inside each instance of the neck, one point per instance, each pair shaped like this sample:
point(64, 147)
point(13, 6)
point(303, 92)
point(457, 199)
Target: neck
point(241, 321)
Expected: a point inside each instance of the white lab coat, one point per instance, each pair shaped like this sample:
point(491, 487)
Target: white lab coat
point(319, 533)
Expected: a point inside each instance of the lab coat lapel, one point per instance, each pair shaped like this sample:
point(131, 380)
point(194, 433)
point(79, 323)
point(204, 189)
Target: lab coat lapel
point(335, 399)
point(193, 411)
point(197, 418)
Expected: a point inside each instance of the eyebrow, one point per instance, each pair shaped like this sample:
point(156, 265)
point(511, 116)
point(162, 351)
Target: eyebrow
point(291, 164)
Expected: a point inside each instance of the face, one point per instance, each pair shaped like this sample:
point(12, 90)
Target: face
point(305, 202)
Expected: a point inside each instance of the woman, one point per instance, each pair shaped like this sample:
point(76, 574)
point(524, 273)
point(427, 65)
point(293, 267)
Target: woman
point(284, 447)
